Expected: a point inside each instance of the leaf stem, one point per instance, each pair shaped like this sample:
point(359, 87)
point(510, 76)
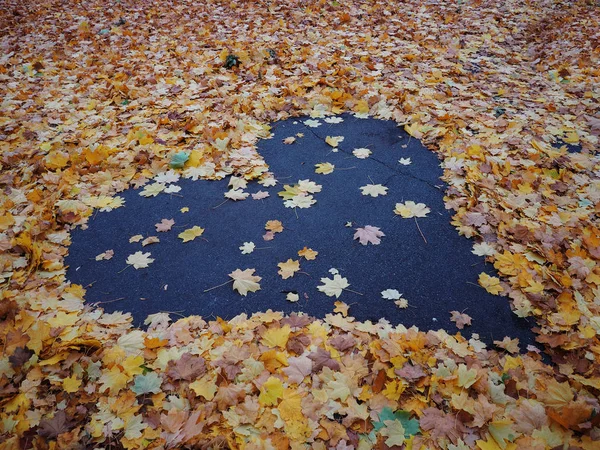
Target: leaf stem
point(354, 292)
point(110, 301)
point(220, 204)
point(215, 287)
point(419, 228)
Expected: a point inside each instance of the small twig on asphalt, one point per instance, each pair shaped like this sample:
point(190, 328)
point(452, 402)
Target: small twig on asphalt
point(419, 228)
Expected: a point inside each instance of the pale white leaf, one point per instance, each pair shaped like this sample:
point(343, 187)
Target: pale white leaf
point(247, 248)
point(361, 153)
point(374, 190)
point(139, 260)
point(333, 287)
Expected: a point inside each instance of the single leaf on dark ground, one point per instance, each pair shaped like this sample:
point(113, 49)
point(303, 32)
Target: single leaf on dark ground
point(434, 277)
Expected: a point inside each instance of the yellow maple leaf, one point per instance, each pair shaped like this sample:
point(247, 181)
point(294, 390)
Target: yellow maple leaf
point(466, 377)
point(324, 168)
point(114, 380)
point(152, 190)
point(362, 106)
point(535, 287)
point(55, 359)
point(413, 130)
point(71, 384)
point(571, 137)
point(341, 307)
point(6, 221)
point(296, 425)
point(288, 193)
point(191, 233)
point(62, 319)
point(308, 253)
point(133, 365)
point(205, 387)
point(558, 394)
point(144, 139)
point(276, 337)
point(96, 155)
point(334, 141)
point(393, 390)
point(56, 160)
point(195, 158)
point(270, 391)
point(491, 284)
point(290, 407)
point(488, 444)
point(289, 268)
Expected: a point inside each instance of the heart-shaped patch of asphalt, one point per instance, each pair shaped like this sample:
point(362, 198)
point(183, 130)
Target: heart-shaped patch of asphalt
point(367, 210)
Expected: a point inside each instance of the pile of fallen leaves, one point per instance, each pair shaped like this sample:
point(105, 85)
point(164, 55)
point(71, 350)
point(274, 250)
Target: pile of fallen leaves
point(98, 97)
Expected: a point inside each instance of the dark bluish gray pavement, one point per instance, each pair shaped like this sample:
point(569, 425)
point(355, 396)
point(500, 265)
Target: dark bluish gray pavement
point(435, 277)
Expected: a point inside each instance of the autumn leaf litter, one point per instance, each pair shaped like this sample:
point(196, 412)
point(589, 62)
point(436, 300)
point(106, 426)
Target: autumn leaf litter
point(116, 101)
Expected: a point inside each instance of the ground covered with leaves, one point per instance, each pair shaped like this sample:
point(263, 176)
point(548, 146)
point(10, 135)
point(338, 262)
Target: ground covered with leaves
point(98, 96)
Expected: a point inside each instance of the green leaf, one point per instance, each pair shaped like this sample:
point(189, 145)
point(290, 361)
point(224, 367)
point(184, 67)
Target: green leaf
point(411, 426)
point(178, 160)
point(145, 384)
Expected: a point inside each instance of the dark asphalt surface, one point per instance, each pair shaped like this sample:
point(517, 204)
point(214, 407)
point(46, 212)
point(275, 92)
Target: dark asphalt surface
point(435, 277)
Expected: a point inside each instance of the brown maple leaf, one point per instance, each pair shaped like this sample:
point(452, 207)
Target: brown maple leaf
point(188, 367)
point(342, 342)
point(296, 321)
point(229, 395)
point(410, 372)
point(19, 357)
point(297, 344)
point(442, 425)
point(322, 358)
point(461, 320)
point(52, 428)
